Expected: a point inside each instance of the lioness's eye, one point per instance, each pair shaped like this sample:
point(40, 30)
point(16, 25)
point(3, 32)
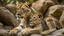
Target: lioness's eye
point(18, 14)
point(21, 17)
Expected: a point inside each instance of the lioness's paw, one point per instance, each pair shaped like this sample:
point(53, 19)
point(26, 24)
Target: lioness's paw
point(13, 32)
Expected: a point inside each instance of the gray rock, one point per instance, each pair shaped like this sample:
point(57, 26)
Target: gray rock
point(36, 35)
point(3, 32)
point(57, 33)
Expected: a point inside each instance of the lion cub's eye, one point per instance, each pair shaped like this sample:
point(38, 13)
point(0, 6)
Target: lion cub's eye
point(34, 17)
point(39, 16)
point(20, 16)
point(22, 8)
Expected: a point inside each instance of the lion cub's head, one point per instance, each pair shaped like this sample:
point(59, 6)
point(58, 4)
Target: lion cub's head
point(35, 19)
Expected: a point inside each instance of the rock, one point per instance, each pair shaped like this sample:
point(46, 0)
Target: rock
point(42, 5)
point(62, 19)
point(59, 32)
point(7, 18)
point(1, 24)
point(8, 28)
point(3, 32)
point(55, 1)
point(55, 11)
point(12, 8)
point(62, 2)
point(36, 35)
point(55, 35)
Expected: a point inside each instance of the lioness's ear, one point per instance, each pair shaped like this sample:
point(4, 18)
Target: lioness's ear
point(28, 11)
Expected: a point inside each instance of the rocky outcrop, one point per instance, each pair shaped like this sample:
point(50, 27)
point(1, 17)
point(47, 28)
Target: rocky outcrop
point(62, 2)
point(62, 19)
point(42, 5)
point(55, 11)
point(12, 8)
point(7, 18)
point(3, 32)
point(57, 33)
